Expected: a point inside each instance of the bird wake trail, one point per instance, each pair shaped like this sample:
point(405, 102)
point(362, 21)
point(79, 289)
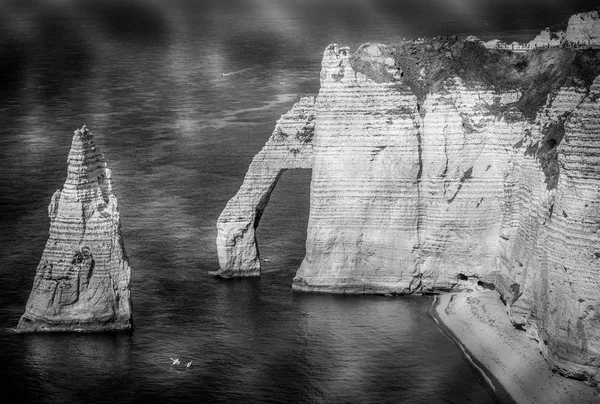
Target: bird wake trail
point(236, 72)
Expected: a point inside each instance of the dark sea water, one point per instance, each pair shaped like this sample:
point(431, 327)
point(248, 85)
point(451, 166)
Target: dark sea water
point(146, 78)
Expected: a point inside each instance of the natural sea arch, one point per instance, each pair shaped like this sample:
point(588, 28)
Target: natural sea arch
point(281, 235)
point(289, 147)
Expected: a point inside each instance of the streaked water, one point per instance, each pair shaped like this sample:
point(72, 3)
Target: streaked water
point(147, 79)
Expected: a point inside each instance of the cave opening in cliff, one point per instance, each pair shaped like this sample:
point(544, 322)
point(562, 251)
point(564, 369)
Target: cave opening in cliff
point(281, 234)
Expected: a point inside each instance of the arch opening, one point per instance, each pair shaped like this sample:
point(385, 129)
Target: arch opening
point(288, 148)
point(281, 236)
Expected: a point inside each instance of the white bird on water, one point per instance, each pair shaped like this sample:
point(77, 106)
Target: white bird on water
point(175, 361)
point(189, 364)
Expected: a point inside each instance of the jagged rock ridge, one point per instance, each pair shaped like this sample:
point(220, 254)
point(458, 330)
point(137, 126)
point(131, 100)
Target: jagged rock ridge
point(82, 282)
point(439, 165)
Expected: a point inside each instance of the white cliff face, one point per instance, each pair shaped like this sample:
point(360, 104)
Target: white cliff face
point(584, 28)
point(457, 184)
point(289, 147)
point(364, 197)
point(547, 268)
point(82, 282)
point(466, 149)
point(563, 269)
point(402, 191)
point(547, 38)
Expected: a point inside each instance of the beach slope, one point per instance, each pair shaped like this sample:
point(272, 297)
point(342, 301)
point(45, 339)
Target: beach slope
point(480, 323)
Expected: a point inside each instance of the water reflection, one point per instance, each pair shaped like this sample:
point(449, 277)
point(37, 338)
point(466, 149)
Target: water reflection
point(142, 22)
point(67, 367)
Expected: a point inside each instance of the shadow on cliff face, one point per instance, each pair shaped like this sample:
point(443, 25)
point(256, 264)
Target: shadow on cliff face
point(548, 70)
point(427, 64)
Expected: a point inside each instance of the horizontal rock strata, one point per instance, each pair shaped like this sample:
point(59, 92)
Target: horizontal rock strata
point(289, 147)
point(441, 165)
point(405, 182)
point(82, 282)
point(584, 28)
point(550, 269)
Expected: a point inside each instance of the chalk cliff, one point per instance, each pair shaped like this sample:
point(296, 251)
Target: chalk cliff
point(289, 147)
point(548, 37)
point(82, 282)
point(582, 29)
point(439, 165)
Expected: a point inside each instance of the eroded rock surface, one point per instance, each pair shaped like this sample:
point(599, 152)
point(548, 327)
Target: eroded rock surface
point(289, 147)
point(584, 28)
point(82, 282)
point(438, 165)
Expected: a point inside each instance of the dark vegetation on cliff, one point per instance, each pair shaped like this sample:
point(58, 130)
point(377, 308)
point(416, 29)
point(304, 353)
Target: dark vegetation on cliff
point(547, 152)
point(536, 73)
point(557, 29)
point(426, 64)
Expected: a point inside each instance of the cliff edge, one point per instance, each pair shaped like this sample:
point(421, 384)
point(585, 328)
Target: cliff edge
point(441, 165)
point(82, 282)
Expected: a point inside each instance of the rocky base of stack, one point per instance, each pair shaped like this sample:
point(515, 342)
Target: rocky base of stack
point(302, 285)
point(27, 325)
point(368, 287)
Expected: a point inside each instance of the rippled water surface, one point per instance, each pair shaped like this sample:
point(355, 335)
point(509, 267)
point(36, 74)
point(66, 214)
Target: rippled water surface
point(179, 99)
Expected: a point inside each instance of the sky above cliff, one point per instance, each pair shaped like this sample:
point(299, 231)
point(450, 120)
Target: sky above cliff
point(69, 35)
point(477, 15)
point(239, 34)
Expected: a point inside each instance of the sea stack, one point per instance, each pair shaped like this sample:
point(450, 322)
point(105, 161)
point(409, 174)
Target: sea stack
point(82, 282)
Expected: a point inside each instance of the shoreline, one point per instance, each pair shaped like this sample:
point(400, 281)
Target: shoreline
point(498, 389)
point(508, 359)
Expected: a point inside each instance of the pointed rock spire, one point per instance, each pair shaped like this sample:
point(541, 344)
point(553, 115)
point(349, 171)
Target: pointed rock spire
point(82, 282)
